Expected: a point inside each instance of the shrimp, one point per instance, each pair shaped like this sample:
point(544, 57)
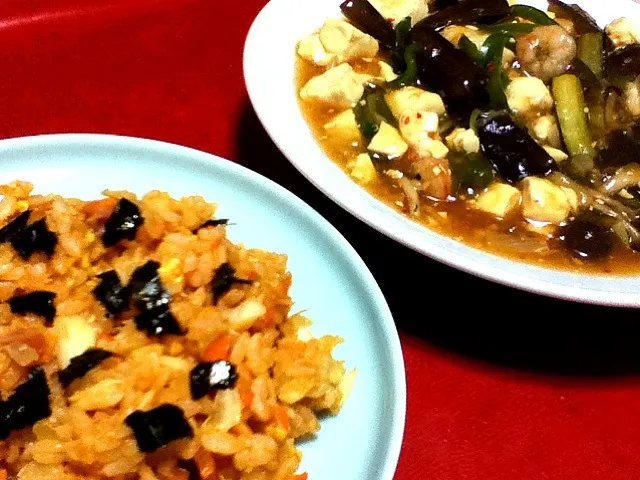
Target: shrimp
point(546, 52)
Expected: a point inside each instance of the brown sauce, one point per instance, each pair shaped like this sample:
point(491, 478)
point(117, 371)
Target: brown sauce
point(509, 237)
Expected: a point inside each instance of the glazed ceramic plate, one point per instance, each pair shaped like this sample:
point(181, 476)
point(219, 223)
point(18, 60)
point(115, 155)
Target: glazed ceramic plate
point(330, 280)
point(269, 75)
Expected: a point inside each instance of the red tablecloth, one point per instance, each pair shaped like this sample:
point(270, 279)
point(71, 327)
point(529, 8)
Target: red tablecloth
point(492, 394)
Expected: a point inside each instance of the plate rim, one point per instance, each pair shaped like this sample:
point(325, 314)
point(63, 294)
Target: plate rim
point(366, 213)
point(386, 321)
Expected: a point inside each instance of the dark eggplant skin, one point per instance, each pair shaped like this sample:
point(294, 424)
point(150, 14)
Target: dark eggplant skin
point(466, 12)
point(582, 21)
point(511, 150)
point(623, 62)
point(450, 72)
point(365, 17)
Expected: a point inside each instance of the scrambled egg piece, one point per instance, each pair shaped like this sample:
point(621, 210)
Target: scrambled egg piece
point(498, 199)
point(420, 130)
point(544, 201)
point(528, 94)
point(388, 142)
point(622, 32)
point(337, 42)
point(339, 86)
point(463, 140)
point(398, 10)
point(413, 99)
point(363, 170)
point(344, 128)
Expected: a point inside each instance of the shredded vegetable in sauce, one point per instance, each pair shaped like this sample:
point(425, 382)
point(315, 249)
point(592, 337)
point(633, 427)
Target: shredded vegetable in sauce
point(512, 129)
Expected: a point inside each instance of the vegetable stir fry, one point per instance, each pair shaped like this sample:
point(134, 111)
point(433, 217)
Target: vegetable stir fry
point(486, 116)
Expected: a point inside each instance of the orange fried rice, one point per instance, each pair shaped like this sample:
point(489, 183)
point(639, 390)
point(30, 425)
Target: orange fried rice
point(244, 430)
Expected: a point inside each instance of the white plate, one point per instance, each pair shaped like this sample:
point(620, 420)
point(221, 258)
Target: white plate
point(269, 75)
point(330, 280)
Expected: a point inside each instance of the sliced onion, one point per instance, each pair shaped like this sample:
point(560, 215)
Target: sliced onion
point(625, 177)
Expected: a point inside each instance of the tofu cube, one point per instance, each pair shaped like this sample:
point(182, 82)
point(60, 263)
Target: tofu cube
point(420, 130)
point(397, 10)
point(557, 154)
point(463, 140)
point(622, 32)
point(388, 142)
point(499, 199)
point(337, 42)
point(386, 71)
point(414, 99)
point(544, 201)
point(339, 87)
point(363, 170)
point(343, 128)
point(527, 95)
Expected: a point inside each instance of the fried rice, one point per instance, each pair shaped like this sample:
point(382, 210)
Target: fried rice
point(230, 308)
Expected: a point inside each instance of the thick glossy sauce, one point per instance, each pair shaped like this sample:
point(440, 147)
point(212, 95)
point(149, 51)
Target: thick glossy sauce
point(508, 238)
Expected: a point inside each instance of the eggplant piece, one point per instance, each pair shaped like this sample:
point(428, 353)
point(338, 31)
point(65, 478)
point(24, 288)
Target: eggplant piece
point(34, 238)
point(587, 240)
point(622, 148)
point(366, 18)
point(208, 376)
point(27, 405)
point(450, 72)
point(157, 427)
point(622, 63)
point(122, 224)
point(223, 280)
point(511, 150)
point(40, 303)
point(14, 226)
point(81, 365)
point(582, 21)
point(466, 12)
point(111, 293)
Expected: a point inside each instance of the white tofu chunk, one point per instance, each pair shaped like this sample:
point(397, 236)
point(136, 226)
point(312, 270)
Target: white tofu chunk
point(397, 10)
point(544, 201)
point(339, 87)
point(419, 129)
point(557, 154)
point(337, 42)
point(463, 140)
point(622, 32)
point(388, 142)
point(343, 128)
point(386, 71)
point(528, 94)
point(545, 129)
point(311, 49)
point(499, 199)
point(363, 170)
point(75, 336)
point(413, 99)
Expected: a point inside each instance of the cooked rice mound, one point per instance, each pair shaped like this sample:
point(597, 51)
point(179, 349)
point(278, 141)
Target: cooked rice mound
point(246, 431)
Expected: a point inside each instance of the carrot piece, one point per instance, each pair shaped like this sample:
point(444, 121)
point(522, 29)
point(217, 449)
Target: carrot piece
point(100, 209)
point(218, 349)
point(205, 463)
point(3, 474)
point(247, 398)
point(281, 418)
point(301, 476)
point(267, 321)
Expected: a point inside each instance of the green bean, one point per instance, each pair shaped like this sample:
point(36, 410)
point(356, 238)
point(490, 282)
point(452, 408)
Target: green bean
point(532, 14)
point(510, 28)
point(571, 110)
point(410, 75)
point(590, 51)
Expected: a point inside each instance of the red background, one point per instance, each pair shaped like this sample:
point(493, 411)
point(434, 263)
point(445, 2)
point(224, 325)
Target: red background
point(502, 384)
